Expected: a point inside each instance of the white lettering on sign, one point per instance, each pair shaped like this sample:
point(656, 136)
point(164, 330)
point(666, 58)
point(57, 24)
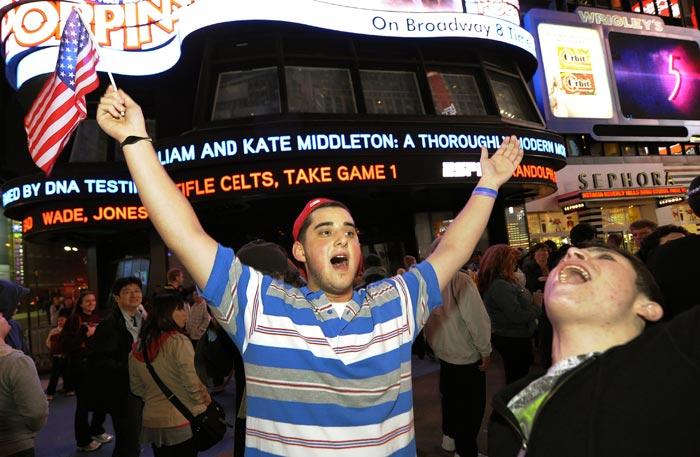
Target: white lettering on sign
point(144, 37)
point(181, 154)
point(56, 188)
point(624, 180)
point(266, 144)
point(322, 142)
point(460, 169)
point(356, 141)
point(61, 187)
point(110, 186)
point(621, 20)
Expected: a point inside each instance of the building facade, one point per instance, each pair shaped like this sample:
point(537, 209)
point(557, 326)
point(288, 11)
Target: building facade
point(255, 108)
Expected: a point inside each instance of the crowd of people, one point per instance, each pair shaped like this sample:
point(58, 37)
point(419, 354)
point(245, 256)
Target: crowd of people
point(324, 353)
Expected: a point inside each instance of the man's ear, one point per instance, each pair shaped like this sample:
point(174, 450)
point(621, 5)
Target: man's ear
point(298, 252)
point(649, 310)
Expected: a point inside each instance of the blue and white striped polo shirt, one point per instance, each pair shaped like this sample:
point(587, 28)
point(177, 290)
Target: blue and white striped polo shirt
point(320, 385)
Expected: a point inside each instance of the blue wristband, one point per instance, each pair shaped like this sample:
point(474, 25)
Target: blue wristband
point(485, 191)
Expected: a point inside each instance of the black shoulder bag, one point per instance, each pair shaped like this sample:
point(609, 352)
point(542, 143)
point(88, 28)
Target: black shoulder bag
point(209, 427)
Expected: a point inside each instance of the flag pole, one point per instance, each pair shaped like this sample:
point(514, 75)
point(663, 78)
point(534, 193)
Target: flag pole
point(97, 45)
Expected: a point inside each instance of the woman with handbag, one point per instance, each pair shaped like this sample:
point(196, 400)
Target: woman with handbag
point(164, 345)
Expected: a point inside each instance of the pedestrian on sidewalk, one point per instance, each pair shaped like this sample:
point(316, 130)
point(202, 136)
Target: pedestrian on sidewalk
point(109, 360)
point(76, 340)
point(163, 339)
point(10, 296)
point(459, 333)
point(59, 365)
point(23, 407)
point(513, 310)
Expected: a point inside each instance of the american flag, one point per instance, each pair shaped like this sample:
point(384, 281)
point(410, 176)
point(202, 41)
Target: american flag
point(60, 105)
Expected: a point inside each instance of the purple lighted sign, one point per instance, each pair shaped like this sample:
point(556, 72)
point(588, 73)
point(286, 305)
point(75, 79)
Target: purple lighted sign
point(656, 77)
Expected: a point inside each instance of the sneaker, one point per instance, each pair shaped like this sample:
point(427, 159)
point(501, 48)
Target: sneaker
point(448, 443)
point(92, 446)
point(103, 438)
point(70, 393)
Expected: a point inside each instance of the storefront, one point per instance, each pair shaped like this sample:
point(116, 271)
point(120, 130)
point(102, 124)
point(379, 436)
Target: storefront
point(610, 197)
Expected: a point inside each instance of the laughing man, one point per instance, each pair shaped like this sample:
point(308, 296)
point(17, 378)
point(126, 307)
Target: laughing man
point(618, 385)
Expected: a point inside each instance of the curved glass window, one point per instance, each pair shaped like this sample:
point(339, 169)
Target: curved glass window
point(246, 93)
point(391, 92)
point(455, 94)
point(319, 90)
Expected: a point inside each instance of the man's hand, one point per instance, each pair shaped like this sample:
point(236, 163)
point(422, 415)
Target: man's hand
point(485, 360)
point(538, 298)
point(119, 116)
point(501, 166)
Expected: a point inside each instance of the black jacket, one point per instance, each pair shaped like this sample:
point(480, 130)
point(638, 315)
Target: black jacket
point(638, 399)
point(675, 268)
point(108, 358)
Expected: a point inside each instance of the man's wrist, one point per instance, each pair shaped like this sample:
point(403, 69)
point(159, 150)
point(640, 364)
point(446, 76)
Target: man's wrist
point(485, 192)
point(488, 184)
point(133, 139)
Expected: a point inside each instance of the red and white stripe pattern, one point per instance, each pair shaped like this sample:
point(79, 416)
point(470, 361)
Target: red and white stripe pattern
point(60, 105)
point(320, 385)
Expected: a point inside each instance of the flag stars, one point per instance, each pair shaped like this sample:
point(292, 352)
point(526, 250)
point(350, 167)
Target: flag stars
point(63, 94)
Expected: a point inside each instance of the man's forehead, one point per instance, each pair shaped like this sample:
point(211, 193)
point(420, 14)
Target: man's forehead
point(603, 249)
point(331, 214)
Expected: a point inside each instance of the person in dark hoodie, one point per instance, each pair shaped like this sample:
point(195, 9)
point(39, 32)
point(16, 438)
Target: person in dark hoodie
point(618, 386)
point(10, 295)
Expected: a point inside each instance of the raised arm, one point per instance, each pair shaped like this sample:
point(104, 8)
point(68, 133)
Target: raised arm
point(171, 213)
point(460, 239)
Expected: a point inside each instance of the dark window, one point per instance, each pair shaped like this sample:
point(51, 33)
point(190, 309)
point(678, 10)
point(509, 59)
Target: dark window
point(246, 93)
point(391, 92)
point(455, 94)
point(319, 90)
point(512, 98)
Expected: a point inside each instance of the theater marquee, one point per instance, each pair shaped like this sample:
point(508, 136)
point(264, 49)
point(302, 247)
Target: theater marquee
point(144, 37)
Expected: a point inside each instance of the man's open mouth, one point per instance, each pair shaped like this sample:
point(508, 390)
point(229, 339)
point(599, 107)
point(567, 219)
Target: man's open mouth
point(573, 274)
point(339, 261)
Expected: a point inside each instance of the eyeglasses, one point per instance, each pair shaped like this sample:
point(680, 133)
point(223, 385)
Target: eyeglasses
point(131, 292)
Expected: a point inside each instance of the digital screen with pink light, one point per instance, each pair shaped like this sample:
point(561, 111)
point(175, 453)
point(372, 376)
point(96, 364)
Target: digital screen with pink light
point(656, 77)
point(616, 75)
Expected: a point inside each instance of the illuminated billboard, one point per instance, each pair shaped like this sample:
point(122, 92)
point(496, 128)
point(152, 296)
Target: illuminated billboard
point(144, 37)
point(617, 76)
point(222, 165)
point(577, 83)
point(656, 77)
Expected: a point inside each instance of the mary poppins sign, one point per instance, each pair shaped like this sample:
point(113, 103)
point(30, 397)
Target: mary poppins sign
point(144, 37)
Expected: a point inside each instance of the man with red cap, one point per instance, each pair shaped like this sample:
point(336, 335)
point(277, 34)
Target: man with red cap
point(328, 368)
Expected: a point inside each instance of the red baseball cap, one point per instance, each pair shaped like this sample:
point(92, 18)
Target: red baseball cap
point(308, 209)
